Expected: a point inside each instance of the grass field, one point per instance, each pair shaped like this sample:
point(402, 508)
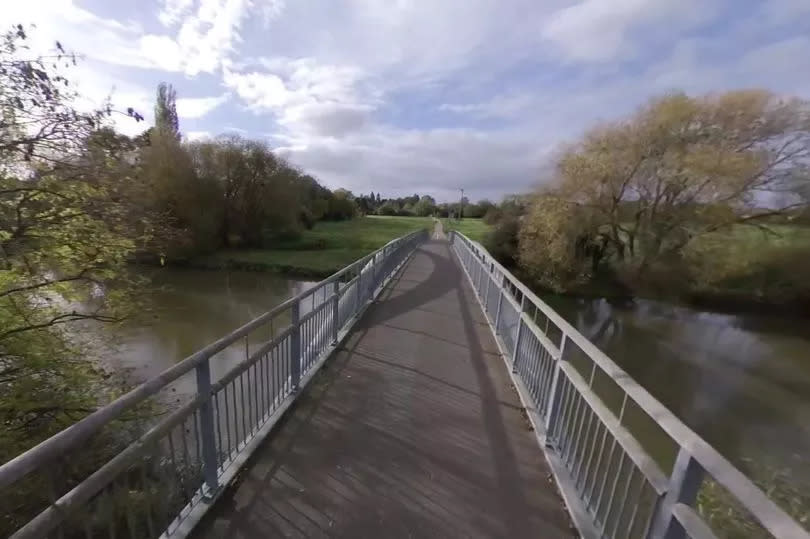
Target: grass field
point(748, 263)
point(745, 238)
point(475, 229)
point(327, 248)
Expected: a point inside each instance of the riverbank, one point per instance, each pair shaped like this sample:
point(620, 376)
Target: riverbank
point(717, 301)
point(319, 252)
point(742, 269)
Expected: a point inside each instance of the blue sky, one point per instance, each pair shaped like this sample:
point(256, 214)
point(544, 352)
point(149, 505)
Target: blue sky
point(404, 96)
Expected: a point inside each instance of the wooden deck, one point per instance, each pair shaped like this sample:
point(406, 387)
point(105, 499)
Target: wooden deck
point(412, 429)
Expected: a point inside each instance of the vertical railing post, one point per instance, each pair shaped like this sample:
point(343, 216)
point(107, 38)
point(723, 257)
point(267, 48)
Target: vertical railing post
point(498, 311)
point(373, 273)
point(486, 294)
point(553, 405)
point(335, 310)
point(295, 345)
point(684, 484)
point(357, 285)
point(480, 272)
point(519, 333)
point(207, 428)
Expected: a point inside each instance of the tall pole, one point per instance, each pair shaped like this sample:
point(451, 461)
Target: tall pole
point(461, 206)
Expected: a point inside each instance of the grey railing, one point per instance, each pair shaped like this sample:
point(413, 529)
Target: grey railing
point(596, 424)
point(162, 483)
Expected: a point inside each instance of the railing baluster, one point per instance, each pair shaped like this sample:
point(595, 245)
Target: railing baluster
point(587, 491)
point(335, 306)
point(516, 353)
point(587, 443)
point(573, 438)
point(498, 311)
point(635, 505)
point(227, 422)
point(612, 496)
point(553, 400)
point(295, 345)
point(242, 411)
point(486, 293)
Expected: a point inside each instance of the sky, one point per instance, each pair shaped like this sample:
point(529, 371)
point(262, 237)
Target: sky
point(427, 96)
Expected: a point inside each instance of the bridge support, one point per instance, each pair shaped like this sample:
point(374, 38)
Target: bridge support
point(684, 483)
point(207, 441)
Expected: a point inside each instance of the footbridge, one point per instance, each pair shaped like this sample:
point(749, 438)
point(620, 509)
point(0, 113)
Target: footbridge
point(422, 391)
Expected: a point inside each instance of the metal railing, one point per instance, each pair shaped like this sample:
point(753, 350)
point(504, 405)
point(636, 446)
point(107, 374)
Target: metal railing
point(161, 483)
point(596, 423)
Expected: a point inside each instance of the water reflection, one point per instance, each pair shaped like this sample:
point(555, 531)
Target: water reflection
point(186, 310)
point(741, 381)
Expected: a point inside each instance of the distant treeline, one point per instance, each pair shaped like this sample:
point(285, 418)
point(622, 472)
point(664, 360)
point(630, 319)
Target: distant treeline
point(197, 197)
point(420, 206)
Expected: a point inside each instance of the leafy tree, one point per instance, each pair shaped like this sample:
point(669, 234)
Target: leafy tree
point(481, 208)
point(426, 206)
point(388, 208)
point(166, 111)
point(636, 193)
point(341, 206)
point(502, 240)
point(65, 237)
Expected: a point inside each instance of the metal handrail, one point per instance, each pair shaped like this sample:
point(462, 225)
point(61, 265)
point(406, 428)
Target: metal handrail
point(565, 399)
point(295, 353)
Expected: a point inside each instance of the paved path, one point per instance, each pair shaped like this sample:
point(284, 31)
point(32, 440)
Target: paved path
point(411, 430)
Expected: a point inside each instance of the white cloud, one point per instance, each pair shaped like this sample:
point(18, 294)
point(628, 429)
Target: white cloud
point(162, 52)
point(204, 34)
point(599, 30)
point(501, 106)
point(174, 10)
point(350, 89)
point(197, 107)
point(307, 97)
point(198, 135)
point(435, 161)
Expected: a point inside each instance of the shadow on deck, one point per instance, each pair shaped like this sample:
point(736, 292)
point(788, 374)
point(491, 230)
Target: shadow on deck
point(412, 429)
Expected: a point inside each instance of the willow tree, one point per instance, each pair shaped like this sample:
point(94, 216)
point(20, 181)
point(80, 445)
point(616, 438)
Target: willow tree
point(635, 193)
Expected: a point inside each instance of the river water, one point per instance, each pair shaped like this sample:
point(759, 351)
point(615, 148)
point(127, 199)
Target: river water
point(741, 381)
point(187, 309)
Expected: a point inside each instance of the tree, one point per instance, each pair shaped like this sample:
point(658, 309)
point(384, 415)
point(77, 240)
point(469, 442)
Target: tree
point(388, 208)
point(636, 193)
point(65, 237)
point(483, 206)
point(342, 205)
point(166, 111)
point(425, 207)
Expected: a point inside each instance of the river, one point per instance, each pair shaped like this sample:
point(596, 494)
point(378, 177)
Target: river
point(741, 381)
point(187, 309)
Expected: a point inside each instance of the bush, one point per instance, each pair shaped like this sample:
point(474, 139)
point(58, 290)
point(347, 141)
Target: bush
point(387, 209)
point(502, 241)
point(492, 216)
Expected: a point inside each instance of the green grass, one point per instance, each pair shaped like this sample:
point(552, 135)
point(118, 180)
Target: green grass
point(745, 240)
point(475, 229)
point(747, 266)
point(327, 248)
